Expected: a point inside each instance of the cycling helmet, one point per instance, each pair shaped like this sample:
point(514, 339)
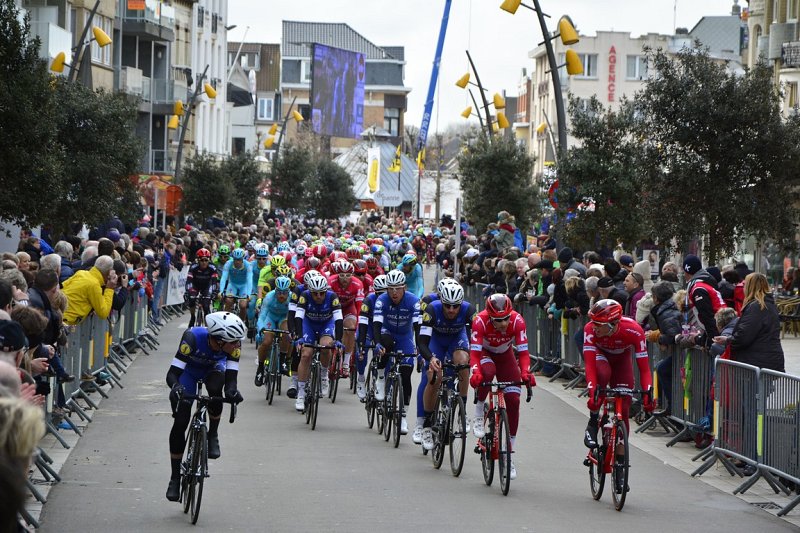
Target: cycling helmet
point(307, 237)
point(338, 256)
point(320, 251)
point(313, 263)
point(224, 250)
point(409, 260)
point(379, 283)
point(343, 267)
point(371, 262)
point(277, 261)
point(329, 246)
point(301, 249)
point(451, 293)
point(282, 283)
point(605, 311)
point(443, 283)
point(360, 266)
point(202, 252)
point(354, 252)
point(286, 254)
point(381, 249)
point(374, 248)
point(251, 244)
point(237, 254)
point(498, 306)
point(317, 284)
point(284, 270)
point(225, 326)
point(283, 246)
point(395, 278)
point(262, 251)
point(308, 276)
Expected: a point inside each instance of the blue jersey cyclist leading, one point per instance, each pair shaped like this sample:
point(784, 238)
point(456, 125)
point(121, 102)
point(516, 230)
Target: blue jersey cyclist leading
point(210, 354)
point(413, 274)
point(395, 324)
point(236, 282)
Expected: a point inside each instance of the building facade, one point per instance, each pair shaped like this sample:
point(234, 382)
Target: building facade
point(210, 50)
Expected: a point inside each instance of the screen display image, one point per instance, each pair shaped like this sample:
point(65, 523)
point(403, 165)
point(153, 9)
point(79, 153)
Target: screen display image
point(337, 92)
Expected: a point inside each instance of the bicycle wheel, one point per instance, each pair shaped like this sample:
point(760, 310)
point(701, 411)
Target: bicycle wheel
point(397, 409)
point(597, 475)
point(187, 479)
point(439, 430)
point(310, 390)
point(201, 452)
point(388, 414)
point(273, 373)
point(334, 377)
point(621, 467)
point(487, 463)
point(457, 434)
point(504, 452)
point(316, 388)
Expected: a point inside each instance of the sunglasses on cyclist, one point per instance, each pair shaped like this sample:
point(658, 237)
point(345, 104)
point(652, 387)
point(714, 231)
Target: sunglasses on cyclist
point(261, 258)
point(451, 306)
point(202, 260)
point(318, 293)
point(609, 325)
point(501, 320)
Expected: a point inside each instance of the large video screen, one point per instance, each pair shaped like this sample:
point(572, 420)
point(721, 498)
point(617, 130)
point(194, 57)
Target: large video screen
point(337, 92)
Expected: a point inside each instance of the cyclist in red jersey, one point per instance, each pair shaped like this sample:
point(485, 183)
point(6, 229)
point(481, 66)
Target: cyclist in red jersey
point(496, 332)
point(373, 267)
point(351, 295)
point(360, 273)
point(608, 339)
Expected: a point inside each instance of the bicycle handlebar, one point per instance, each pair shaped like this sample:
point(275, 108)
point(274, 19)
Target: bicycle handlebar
point(202, 399)
point(270, 330)
point(449, 365)
point(613, 392)
point(503, 384)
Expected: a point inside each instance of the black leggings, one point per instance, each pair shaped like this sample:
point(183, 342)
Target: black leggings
point(214, 381)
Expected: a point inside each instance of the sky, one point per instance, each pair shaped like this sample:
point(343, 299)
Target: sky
point(498, 41)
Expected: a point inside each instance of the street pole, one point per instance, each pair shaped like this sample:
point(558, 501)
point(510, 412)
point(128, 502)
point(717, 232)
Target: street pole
point(483, 97)
point(76, 56)
point(551, 58)
point(187, 114)
point(283, 129)
point(457, 233)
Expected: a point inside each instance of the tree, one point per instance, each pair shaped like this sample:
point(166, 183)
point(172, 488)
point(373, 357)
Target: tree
point(245, 180)
point(329, 191)
point(96, 139)
point(496, 175)
point(599, 179)
point(29, 157)
point(206, 190)
point(720, 160)
point(289, 173)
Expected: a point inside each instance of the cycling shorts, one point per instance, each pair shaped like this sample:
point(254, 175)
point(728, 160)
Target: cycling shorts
point(238, 291)
point(444, 346)
point(274, 321)
point(312, 331)
point(350, 310)
point(404, 345)
point(193, 373)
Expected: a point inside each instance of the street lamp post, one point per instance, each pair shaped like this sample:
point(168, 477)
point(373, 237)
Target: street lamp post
point(498, 102)
point(187, 113)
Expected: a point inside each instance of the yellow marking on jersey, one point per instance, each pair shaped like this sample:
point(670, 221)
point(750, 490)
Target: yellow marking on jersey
point(236, 353)
point(185, 349)
point(335, 301)
point(426, 317)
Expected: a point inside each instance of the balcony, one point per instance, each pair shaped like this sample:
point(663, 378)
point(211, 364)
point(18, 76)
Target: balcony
point(54, 39)
point(790, 54)
point(156, 21)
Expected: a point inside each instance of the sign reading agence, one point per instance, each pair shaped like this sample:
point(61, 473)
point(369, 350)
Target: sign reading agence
point(612, 74)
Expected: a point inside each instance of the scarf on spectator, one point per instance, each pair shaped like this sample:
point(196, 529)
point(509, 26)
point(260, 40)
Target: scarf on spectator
point(508, 227)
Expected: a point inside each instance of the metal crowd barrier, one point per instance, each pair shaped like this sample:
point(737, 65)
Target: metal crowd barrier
point(692, 393)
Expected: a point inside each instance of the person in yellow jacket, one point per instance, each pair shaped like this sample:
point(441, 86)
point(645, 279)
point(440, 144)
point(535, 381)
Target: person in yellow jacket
point(90, 290)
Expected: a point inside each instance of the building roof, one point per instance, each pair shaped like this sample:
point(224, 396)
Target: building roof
point(354, 161)
point(720, 34)
point(297, 35)
point(268, 75)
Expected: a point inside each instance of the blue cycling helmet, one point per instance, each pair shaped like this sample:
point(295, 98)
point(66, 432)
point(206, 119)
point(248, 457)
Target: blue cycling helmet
point(262, 250)
point(282, 283)
point(237, 254)
point(409, 260)
point(283, 246)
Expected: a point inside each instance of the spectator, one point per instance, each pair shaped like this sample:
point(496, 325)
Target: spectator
point(617, 274)
point(667, 326)
point(756, 339)
point(91, 290)
point(703, 300)
point(89, 254)
point(24, 260)
point(505, 235)
point(591, 289)
point(626, 262)
point(44, 289)
point(65, 251)
point(607, 289)
point(9, 380)
point(643, 269)
point(566, 261)
point(633, 286)
point(18, 285)
point(160, 279)
point(51, 262)
point(669, 272)
point(726, 322)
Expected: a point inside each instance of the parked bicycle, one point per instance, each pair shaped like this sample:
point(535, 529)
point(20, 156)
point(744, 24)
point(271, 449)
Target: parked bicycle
point(194, 468)
point(612, 455)
point(272, 372)
point(495, 445)
point(449, 428)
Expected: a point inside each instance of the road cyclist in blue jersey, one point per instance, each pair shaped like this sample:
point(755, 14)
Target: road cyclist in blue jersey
point(211, 354)
point(443, 337)
point(259, 262)
point(413, 274)
point(318, 320)
point(395, 325)
point(365, 332)
point(273, 315)
point(236, 283)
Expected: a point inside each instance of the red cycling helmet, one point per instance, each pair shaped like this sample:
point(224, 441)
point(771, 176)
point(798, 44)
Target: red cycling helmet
point(343, 267)
point(354, 252)
point(338, 255)
point(371, 262)
point(605, 311)
point(286, 255)
point(313, 263)
point(320, 251)
point(498, 306)
point(202, 252)
point(361, 266)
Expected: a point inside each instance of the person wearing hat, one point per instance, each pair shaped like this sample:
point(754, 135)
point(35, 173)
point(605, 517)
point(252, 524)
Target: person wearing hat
point(506, 229)
point(627, 262)
point(566, 260)
point(608, 290)
point(703, 299)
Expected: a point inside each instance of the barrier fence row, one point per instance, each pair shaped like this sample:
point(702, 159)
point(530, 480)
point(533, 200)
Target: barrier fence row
point(98, 353)
point(739, 414)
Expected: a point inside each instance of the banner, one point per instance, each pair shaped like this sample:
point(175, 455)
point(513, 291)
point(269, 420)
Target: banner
point(136, 5)
point(176, 285)
point(374, 169)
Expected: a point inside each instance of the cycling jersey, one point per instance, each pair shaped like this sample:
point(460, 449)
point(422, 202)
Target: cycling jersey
point(414, 281)
point(202, 280)
point(427, 299)
point(365, 320)
point(265, 277)
point(196, 359)
point(256, 270)
point(272, 312)
point(236, 281)
point(367, 282)
point(398, 320)
point(440, 336)
point(350, 297)
point(315, 320)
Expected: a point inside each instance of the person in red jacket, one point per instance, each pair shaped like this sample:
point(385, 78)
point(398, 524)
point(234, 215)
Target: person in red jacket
point(496, 332)
point(608, 340)
point(350, 291)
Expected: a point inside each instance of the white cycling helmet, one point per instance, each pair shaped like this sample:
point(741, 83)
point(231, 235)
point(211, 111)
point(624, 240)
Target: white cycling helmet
point(225, 326)
point(311, 274)
point(379, 283)
point(451, 293)
point(317, 284)
point(395, 278)
point(445, 282)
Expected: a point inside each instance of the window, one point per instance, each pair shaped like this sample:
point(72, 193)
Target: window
point(249, 60)
point(792, 9)
point(589, 65)
point(391, 121)
point(201, 16)
point(238, 145)
point(102, 55)
point(305, 71)
point(266, 109)
point(637, 68)
point(791, 94)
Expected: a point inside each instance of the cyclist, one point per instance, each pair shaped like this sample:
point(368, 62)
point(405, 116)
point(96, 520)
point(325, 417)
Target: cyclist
point(395, 324)
point(444, 336)
point(608, 340)
point(221, 259)
point(351, 294)
point(413, 274)
point(365, 332)
point(373, 268)
point(202, 279)
point(434, 296)
point(360, 267)
point(257, 265)
point(294, 296)
point(269, 273)
point(497, 332)
point(210, 353)
point(318, 319)
point(236, 282)
point(273, 315)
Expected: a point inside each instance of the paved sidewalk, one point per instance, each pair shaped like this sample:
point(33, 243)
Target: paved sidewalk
point(791, 354)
